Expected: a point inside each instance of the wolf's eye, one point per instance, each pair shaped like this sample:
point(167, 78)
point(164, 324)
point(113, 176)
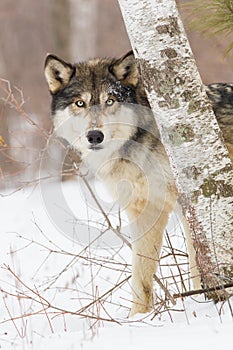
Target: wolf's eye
point(110, 102)
point(80, 103)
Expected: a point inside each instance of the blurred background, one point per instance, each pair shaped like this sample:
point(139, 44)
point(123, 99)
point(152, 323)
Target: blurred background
point(74, 30)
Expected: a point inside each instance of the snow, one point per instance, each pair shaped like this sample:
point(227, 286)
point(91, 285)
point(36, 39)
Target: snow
point(171, 337)
point(50, 271)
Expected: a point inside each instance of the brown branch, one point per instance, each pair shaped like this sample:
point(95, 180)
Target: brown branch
point(202, 291)
point(166, 291)
point(13, 320)
point(45, 302)
point(119, 235)
point(12, 101)
point(103, 295)
point(46, 305)
point(45, 311)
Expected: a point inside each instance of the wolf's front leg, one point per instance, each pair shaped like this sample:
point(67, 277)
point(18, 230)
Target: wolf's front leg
point(146, 247)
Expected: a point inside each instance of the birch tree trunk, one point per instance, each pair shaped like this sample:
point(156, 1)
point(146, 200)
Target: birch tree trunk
point(189, 132)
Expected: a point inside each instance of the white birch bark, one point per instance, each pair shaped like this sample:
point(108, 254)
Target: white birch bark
point(189, 131)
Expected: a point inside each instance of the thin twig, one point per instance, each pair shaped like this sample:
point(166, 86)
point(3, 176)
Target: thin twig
point(166, 291)
point(104, 295)
point(119, 235)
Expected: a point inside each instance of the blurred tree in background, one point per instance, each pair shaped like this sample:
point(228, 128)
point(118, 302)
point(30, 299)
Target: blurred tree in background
point(213, 17)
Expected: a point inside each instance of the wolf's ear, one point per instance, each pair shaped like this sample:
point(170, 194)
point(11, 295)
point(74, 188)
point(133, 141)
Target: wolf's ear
point(125, 69)
point(57, 73)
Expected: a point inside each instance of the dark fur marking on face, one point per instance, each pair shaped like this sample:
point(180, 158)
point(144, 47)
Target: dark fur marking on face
point(122, 93)
point(145, 137)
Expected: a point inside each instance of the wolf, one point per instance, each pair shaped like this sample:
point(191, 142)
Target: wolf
point(100, 107)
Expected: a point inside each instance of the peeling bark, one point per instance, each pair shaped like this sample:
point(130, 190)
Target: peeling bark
point(189, 132)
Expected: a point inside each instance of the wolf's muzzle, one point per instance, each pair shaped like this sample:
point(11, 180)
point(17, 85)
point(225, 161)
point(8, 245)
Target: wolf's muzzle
point(95, 137)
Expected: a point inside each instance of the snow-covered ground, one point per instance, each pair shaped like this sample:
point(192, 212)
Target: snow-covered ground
point(59, 291)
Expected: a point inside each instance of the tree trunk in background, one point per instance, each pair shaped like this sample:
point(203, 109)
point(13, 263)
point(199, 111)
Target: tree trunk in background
point(61, 27)
point(189, 131)
point(112, 39)
point(83, 29)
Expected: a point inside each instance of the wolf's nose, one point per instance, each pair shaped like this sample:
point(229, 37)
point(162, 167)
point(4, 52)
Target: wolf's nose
point(95, 137)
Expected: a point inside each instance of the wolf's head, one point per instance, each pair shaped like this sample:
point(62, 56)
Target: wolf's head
point(93, 103)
